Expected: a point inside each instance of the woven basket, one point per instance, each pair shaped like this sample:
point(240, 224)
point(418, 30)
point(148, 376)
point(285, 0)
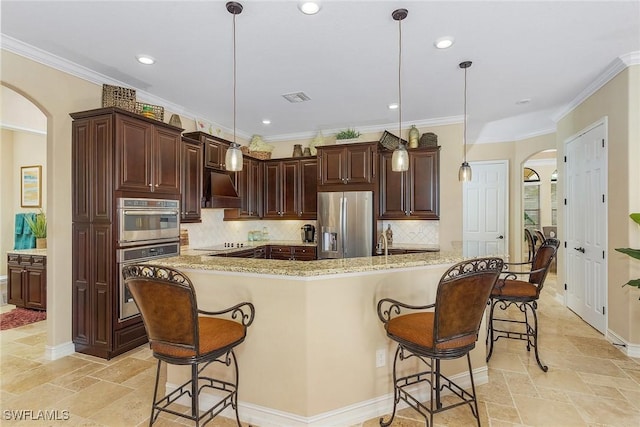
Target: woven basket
point(158, 111)
point(121, 97)
point(262, 155)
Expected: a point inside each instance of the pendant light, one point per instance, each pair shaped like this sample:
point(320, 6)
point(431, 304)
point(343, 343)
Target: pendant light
point(233, 158)
point(464, 174)
point(400, 157)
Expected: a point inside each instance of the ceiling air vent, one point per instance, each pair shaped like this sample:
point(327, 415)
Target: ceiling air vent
point(296, 97)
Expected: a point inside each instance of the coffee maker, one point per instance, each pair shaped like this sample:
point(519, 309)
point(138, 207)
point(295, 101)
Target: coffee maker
point(307, 233)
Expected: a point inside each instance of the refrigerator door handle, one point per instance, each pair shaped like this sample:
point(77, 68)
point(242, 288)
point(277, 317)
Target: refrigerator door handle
point(343, 225)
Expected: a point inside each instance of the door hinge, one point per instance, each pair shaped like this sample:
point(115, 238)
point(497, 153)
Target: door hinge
point(603, 312)
point(565, 202)
point(602, 142)
point(565, 159)
point(603, 198)
point(565, 245)
point(602, 254)
point(565, 286)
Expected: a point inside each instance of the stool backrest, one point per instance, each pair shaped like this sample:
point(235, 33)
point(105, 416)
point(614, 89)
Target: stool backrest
point(462, 297)
point(167, 303)
point(542, 262)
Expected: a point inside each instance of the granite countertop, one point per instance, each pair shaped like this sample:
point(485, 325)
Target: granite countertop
point(32, 251)
point(198, 260)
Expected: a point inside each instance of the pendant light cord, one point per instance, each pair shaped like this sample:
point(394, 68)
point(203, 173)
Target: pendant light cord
point(465, 115)
point(234, 78)
point(400, 82)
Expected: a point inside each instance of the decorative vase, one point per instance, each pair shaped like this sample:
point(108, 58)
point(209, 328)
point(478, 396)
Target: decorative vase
point(307, 151)
point(414, 134)
point(175, 121)
point(41, 243)
point(297, 150)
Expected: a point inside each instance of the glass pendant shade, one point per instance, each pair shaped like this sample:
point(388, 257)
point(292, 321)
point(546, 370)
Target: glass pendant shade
point(464, 174)
point(400, 159)
point(233, 158)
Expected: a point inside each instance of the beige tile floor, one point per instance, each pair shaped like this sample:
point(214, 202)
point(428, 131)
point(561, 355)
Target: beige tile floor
point(589, 382)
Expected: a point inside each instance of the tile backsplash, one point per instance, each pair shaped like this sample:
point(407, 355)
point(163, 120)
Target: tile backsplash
point(419, 232)
point(214, 231)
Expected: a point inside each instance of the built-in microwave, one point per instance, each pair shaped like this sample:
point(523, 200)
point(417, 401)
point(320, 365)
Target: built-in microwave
point(144, 221)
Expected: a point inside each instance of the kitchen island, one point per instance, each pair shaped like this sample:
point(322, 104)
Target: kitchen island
point(310, 356)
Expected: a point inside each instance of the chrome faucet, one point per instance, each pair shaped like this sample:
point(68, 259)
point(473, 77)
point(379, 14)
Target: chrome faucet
point(386, 246)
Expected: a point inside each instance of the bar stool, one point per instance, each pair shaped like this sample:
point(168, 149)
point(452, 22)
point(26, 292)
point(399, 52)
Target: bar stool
point(447, 329)
point(522, 293)
point(181, 334)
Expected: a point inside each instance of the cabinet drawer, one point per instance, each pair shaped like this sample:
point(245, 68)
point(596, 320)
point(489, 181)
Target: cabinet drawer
point(304, 253)
point(13, 259)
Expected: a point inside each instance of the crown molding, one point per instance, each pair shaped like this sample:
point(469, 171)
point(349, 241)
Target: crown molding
point(22, 129)
point(43, 57)
point(440, 121)
point(617, 65)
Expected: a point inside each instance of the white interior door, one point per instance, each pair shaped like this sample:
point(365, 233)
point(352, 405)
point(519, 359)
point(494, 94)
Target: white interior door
point(586, 225)
point(484, 204)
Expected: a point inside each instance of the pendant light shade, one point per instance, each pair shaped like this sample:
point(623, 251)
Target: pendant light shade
point(464, 174)
point(400, 157)
point(233, 158)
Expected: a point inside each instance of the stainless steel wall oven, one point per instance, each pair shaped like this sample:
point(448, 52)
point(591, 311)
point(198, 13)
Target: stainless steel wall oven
point(145, 221)
point(126, 306)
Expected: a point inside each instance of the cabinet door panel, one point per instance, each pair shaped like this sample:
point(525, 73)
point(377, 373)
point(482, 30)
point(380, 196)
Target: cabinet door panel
point(81, 170)
point(81, 277)
point(359, 164)
point(133, 154)
point(271, 193)
point(308, 189)
point(102, 169)
point(191, 182)
point(392, 190)
point(15, 288)
point(36, 288)
point(255, 188)
point(212, 154)
point(423, 190)
point(167, 162)
point(290, 188)
point(332, 166)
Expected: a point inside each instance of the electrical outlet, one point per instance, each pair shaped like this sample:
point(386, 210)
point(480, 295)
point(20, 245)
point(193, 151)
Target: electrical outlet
point(381, 358)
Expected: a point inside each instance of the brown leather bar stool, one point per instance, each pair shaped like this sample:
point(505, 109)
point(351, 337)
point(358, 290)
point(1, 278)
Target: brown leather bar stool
point(181, 334)
point(447, 329)
point(522, 293)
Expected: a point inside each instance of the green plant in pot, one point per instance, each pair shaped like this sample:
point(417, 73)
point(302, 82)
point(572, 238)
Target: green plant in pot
point(634, 253)
point(38, 227)
point(348, 134)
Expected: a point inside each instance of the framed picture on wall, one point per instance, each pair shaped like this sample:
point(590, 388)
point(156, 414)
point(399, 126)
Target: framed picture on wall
point(31, 186)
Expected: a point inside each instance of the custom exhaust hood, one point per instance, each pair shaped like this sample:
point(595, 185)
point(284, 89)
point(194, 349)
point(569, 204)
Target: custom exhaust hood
point(222, 192)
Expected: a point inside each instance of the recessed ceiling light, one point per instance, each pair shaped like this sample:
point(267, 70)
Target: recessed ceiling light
point(523, 101)
point(266, 122)
point(309, 7)
point(444, 42)
point(145, 59)
point(296, 97)
point(393, 106)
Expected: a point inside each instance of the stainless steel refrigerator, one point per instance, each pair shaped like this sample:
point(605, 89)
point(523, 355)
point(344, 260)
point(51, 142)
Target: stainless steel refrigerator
point(345, 224)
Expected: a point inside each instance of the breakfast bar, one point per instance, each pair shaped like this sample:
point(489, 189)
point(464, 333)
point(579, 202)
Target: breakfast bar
point(317, 353)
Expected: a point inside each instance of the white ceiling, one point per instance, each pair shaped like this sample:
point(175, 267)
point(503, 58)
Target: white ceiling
point(345, 58)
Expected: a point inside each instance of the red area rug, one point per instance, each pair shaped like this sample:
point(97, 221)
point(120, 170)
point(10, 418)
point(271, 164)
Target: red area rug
point(20, 317)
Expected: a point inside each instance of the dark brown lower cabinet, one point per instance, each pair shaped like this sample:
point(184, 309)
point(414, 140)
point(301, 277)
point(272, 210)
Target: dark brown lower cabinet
point(292, 253)
point(27, 281)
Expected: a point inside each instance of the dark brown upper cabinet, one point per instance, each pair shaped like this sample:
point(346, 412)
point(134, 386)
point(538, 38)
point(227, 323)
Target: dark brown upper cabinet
point(413, 194)
point(350, 165)
point(191, 180)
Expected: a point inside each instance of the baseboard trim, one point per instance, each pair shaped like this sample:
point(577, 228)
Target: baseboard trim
point(348, 415)
point(629, 349)
point(58, 351)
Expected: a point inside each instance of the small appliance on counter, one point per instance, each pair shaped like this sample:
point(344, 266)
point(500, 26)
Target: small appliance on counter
point(308, 233)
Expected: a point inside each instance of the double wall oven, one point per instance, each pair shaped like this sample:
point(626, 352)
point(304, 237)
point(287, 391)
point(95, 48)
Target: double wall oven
point(148, 229)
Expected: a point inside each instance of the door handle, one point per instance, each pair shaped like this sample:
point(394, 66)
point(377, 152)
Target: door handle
point(500, 237)
point(581, 249)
